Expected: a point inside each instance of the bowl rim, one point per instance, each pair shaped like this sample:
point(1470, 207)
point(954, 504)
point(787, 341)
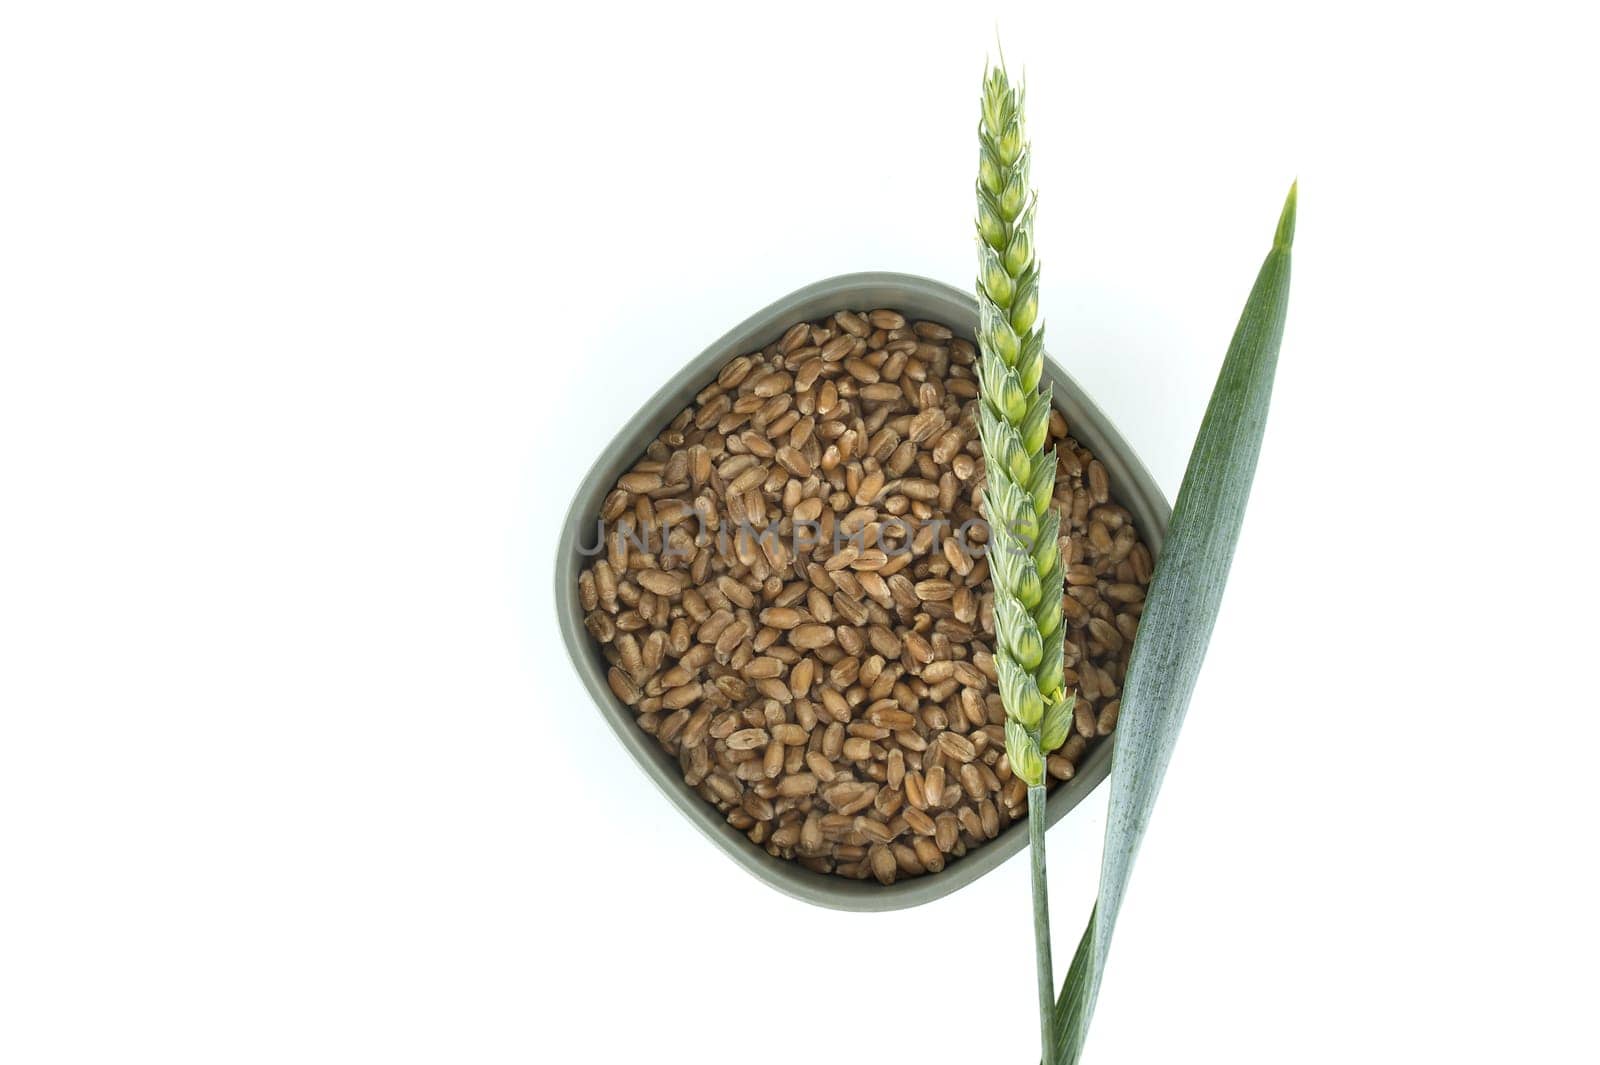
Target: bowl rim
point(918, 297)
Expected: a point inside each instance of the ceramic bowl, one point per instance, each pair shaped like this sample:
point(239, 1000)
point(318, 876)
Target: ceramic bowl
point(915, 297)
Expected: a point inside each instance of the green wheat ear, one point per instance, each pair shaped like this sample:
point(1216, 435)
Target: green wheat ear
point(1013, 420)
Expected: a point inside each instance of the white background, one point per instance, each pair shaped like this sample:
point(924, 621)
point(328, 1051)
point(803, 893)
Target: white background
point(313, 313)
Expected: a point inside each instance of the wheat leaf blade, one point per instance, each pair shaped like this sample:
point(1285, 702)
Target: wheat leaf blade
point(1180, 611)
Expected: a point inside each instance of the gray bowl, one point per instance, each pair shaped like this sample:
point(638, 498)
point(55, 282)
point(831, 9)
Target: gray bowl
point(916, 297)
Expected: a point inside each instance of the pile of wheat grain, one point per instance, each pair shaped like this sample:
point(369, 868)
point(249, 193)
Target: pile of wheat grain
point(793, 599)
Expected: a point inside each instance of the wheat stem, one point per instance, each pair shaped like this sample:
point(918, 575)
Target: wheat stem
point(1041, 923)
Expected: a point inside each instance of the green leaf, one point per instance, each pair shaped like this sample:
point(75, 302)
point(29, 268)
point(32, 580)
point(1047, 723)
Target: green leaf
point(1179, 613)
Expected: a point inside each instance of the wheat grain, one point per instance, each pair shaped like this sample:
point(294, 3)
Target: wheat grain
point(830, 703)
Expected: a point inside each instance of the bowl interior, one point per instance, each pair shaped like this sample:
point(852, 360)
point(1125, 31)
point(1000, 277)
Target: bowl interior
point(916, 297)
